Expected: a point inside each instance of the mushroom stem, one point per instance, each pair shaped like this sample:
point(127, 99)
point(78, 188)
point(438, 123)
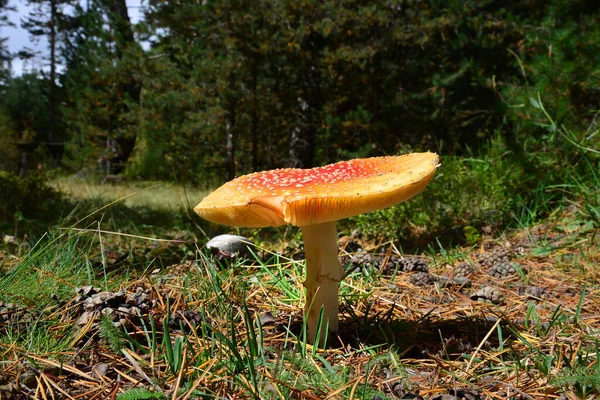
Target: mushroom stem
point(323, 276)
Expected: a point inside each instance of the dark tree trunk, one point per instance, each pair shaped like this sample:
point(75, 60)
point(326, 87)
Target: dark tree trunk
point(230, 144)
point(230, 128)
point(52, 93)
point(302, 138)
point(254, 116)
point(303, 134)
point(128, 87)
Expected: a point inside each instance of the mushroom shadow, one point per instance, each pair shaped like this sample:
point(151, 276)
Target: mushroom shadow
point(446, 338)
point(429, 335)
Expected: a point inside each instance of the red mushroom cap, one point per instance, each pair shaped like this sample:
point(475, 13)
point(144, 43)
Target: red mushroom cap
point(311, 196)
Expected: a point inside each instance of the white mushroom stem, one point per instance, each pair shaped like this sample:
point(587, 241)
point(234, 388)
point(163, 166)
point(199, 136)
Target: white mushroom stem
point(323, 276)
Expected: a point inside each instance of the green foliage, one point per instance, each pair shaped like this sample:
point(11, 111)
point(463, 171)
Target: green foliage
point(471, 234)
point(9, 153)
point(24, 119)
point(559, 61)
point(101, 111)
point(227, 83)
point(140, 394)
point(51, 268)
point(25, 101)
point(249, 64)
point(110, 334)
point(465, 192)
point(30, 196)
point(582, 374)
point(173, 352)
point(34, 332)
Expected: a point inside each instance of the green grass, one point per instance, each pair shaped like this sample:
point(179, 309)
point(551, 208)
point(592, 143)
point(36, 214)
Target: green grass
point(157, 196)
point(53, 267)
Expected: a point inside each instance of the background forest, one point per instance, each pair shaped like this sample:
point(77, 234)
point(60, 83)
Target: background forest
point(203, 91)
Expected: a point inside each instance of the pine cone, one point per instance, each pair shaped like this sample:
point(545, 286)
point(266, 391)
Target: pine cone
point(495, 256)
point(463, 270)
point(14, 313)
point(361, 261)
point(422, 279)
point(181, 318)
point(409, 264)
point(488, 293)
point(533, 291)
point(502, 270)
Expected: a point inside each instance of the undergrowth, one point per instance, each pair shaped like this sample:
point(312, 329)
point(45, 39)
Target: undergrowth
point(501, 188)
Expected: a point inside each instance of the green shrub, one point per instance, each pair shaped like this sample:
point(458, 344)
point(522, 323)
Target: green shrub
point(29, 197)
point(559, 63)
point(140, 394)
point(465, 191)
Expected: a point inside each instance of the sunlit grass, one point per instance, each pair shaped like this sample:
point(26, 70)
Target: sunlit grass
point(159, 196)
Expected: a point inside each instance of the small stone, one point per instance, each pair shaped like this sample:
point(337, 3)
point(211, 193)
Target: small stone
point(104, 299)
point(109, 312)
point(446, 281)
point(87, 290)
point(88, 305)
point(139, 298)
point(27, 378)
point(533, 291)
point(182, 318)
point(266, 319)
point(9, 239)
point(99, 370)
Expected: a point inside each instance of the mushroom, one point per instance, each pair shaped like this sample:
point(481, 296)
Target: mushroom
point(314, 199)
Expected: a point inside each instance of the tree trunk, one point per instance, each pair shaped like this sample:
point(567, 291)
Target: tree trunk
point(254, 115)
point(54, 150)
point(51, 94)
point(125, 137)
point(302, 138)
point(230, 144)
point(230, 128)
point(304, 131)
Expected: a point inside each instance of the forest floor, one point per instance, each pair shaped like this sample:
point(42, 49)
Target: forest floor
point(91, 313)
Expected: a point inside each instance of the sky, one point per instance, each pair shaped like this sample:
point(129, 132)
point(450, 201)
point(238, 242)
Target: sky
point(19, 38)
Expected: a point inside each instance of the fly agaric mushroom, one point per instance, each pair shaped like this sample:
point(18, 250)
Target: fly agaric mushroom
point(314, 199)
